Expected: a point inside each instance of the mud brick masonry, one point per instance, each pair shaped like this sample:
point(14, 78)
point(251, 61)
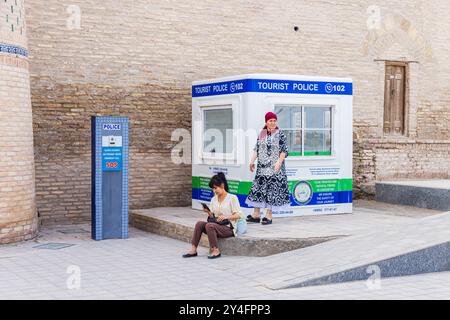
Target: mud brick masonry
point(64, 61)
point(18, 219)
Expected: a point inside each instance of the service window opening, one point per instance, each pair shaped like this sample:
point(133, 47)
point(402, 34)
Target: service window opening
point(308, 128)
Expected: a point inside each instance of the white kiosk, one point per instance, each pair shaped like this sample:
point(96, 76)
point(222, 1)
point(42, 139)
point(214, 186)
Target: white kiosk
point(316, 115)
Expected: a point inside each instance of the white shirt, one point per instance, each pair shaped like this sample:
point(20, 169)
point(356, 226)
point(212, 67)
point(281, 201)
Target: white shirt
point(229, 206)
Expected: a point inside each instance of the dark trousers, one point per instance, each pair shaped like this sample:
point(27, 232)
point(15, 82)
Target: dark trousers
point(213, 230)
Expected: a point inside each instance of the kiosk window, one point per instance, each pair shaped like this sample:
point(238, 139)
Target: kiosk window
point(290, 120)
point(308, 129)
point(317, 131)
point(218, 130)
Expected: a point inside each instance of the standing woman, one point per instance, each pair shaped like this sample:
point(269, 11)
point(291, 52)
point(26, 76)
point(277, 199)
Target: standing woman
point(270, 187)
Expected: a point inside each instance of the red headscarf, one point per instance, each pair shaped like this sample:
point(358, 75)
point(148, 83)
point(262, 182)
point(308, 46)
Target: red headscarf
point(264, 132)
point(271, 115)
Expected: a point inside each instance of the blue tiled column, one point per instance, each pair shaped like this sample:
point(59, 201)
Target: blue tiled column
point(99, 176)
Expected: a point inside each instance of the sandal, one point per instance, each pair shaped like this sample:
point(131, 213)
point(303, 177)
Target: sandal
point(215, 257)
point(266, 221)
point(190, 255)
point(251, 219)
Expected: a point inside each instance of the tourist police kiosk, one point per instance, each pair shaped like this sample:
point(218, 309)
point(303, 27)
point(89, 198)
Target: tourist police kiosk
point(316, 115)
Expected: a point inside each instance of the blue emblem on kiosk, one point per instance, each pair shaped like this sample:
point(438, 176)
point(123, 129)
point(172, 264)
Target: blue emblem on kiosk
point(109, 177)
point(302, 193)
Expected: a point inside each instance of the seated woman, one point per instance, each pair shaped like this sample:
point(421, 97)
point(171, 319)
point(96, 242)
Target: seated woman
point(223, 206)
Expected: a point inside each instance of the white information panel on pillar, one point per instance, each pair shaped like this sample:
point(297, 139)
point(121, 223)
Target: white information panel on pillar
point(314, 112)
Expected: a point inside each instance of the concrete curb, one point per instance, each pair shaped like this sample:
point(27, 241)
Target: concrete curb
point(238, 246)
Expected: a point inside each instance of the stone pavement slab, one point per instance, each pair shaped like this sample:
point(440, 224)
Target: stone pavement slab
point(148, 266)
point(301, 267)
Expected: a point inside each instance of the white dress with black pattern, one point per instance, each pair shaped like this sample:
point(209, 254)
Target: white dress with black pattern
point(270, 189)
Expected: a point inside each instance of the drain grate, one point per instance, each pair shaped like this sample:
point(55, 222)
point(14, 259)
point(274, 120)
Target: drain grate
point(53, 246)
point(73, 231)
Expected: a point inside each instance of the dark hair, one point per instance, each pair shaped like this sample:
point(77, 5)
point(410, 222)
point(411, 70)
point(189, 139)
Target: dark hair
point(217, 180)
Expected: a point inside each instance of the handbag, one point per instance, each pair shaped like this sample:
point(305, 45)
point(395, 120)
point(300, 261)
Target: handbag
point(222, 223)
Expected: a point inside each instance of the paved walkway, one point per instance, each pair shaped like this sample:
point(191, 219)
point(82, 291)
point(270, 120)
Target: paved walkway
point(382, 242)
point(148, 266)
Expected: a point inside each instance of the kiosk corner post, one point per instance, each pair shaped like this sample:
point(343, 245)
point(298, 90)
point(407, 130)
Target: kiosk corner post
point(109, 177)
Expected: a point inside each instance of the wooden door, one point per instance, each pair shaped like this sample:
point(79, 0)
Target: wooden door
point(394, 100)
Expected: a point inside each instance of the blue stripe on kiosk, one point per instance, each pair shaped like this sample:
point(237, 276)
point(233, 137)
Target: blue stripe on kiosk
point(272, 86)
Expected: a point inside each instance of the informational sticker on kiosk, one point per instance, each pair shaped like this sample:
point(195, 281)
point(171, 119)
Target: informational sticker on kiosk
point(112, 153)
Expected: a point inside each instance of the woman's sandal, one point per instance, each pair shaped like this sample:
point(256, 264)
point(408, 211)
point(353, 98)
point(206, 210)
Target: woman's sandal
point(189, 255)
point(266, 221)
point(251, 219)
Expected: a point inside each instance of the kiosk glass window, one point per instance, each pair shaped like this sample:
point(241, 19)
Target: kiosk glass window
point(290, 121)
point(317, 131)
point(218, 130)
point(308, 129)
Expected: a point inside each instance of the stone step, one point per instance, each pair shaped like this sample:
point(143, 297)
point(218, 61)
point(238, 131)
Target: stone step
point(179, 224)
point(432, 259)
point(430, 194)
point(418, 246)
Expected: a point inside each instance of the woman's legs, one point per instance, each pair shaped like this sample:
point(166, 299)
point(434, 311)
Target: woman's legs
point(214, 231)
point(269, 214)
point(256, 213)
point(199, 229)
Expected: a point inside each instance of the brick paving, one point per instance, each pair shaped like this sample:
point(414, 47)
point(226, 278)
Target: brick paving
point(148, 266)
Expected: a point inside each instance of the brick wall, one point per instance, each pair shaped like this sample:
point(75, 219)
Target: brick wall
point(18, 217)
point(390, 159)
point(138, 58)
point(62, 146)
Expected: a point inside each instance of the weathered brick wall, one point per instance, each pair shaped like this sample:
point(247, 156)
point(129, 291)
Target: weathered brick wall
point(18, 216)
point(62, 147)
point(139, 57)
point(388, 159)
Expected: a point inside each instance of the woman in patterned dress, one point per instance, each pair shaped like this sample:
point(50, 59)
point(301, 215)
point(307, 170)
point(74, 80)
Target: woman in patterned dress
point(270, 187)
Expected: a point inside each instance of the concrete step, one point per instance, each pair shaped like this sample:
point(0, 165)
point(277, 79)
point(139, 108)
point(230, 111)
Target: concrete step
point(418, 246)
point(178, 223)
point(432, 259)
point(286, 233)
point(430, 194)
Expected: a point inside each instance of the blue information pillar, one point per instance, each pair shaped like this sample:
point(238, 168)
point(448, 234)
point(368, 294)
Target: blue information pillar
point(109, 178)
